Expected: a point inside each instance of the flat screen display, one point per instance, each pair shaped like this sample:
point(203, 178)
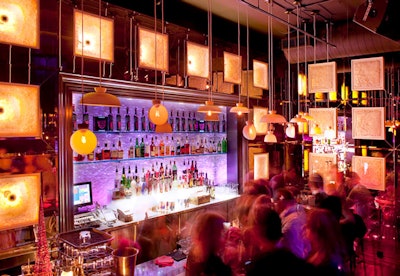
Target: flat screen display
point(82, 194)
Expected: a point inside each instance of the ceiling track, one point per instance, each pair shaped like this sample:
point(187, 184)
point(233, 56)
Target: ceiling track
point(287, 23)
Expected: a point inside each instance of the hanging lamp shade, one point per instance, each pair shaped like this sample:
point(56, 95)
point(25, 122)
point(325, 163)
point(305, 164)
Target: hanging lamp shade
point(213, 117)
point(290, 130)
point(301, 122)
point(273, 117)
point(316, 130)
point(249, 131)
point(158, 114)
point(83, 141)
point(209, 108)
point(239, 109)
point(100, 98)
point(270, 137)
point(164, 128)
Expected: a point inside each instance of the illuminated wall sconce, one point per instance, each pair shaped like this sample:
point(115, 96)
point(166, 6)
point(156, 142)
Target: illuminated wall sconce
point(153, 50)
point(260, 74)
point(19, 23)
point(344, 92)
point(19, 110)
point(333, 96)
point(232, 68)
point(19, 200)
point(91, 37)
point(319, 96)
point(302, 84)
point(364, 99)
point(354, 96)
point(197, 60)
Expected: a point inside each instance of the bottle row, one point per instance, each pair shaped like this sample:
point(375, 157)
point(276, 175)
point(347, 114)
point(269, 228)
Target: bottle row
point(149, 148)
point(141, 122)
point(159, 179)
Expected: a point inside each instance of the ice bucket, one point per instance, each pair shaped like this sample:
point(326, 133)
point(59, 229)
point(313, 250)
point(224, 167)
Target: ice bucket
point(125, 261)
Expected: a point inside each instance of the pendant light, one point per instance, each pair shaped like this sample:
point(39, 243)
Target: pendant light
point(209, 108)
point(99, 97)
point(249, 130)
point(158, 114)
point(239, 109)
point(83, 141)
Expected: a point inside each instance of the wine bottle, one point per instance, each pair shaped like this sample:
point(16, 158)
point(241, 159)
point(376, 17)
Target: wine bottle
point(143, 121)
point(86, 117)
point(132, 151)
point(195, 122)
point(171, 121)
point(161, 148)
point(74, 120)
point(177, 122)
point(223, 124)
point(120, 151)
point(118, 119)
point(142, 148)
point(152, 148)
point(183, 122)
point(137, 148)
point(127, 120)
point(224, 145)
point(110, 121)
point(135, 121)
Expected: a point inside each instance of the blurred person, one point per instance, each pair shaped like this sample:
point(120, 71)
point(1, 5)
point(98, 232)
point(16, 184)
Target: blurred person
point(277, 182)
point(327, 246)
point(204, 256)
point(316, 184)
point(358, 196)
point(270, 259)
point(233, 254)
point(293, 218)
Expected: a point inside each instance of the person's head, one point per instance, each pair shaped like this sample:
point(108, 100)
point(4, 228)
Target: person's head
point(208, 232)
point(277, 182)
point(352, 179)
point(265, 220)
point(323, 232)
point(315, 182)
point(283, 199)
point(333, 204)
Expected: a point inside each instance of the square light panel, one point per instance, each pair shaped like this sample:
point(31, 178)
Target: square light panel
point(232, 68)
point(19, 23)
point(153, 50)
point(197, 60)
point(322, 77)
point(94, 32)
point(19, 110)
point(260, 74)
point(19, 200)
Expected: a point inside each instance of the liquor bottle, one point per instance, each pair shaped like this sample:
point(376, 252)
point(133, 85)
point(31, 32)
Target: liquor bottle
point(157, 147)
point(117, 180)
point(202, 126)
point(219, 147)
point(224, 145)
point(161, 170)
point(99, 154)
point(152, 148)
point(147, 148)
point(106, 153)
point(195, 122)
point(86, 117)
point(161, 148)
point(171, 121)
point(167, 147)
point(187, 146)
point(172, 146)
point(189, 122)
point(127, 120)
point(223, 124)
point(142, 148)
point(114, 152)
point(132, 151)
point(216, 126)
point(183, 122)
point(90, 156)
point(143, 121)
point(178, 148)
point(135, 121)
point(110, 121)
point(74, 120)
point(119, 121)
point(177, 122)
point(137, 148)
point(120, 151)
point(174, 171)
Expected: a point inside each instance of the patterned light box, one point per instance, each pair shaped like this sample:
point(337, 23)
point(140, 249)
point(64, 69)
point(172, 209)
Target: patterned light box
point(153, 50)
point(94, 32)
point(197, 60)
point(232, 68)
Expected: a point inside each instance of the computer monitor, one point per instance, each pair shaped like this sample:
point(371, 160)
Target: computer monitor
point(82, 195)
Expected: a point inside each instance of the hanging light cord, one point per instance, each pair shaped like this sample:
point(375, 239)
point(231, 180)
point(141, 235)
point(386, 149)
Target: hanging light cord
point(155, 49)
point(270, 61)
point(210, 48)
point(289, 71)
point(238, 27)
point(99, 42)
point(82, 63)
point(298, 58)
point(248, 55)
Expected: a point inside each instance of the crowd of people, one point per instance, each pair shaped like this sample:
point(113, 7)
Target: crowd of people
point(276, 233)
